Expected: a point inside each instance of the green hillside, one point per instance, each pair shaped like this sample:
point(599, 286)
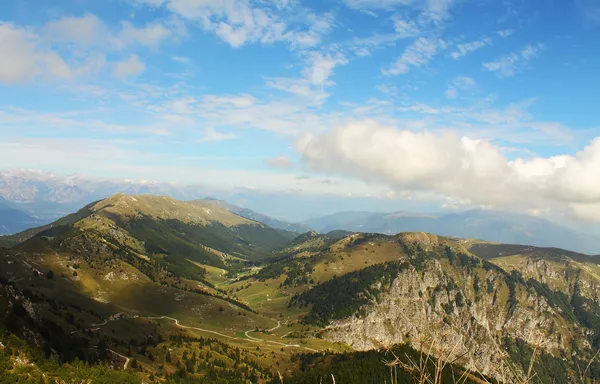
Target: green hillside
point(169, 291)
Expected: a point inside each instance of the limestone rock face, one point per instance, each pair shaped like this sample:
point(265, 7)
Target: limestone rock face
point(472, 308)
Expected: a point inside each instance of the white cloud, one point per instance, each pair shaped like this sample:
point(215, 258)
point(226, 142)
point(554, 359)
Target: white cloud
point(126, 159)
point(280, 162)
point(130, 67)
point(151, 35)
point(321, 67)
point(434, 10)
point(89, 31)
point(457, 84)
point(181, 59)
point(238, 101)
point(439, 10)
point(390, 90)
point(74, 48)
point(509, 65)
point(472, 170)
point(20, 58)
point(367, 12)
point(405, 27)
point(26, 58)
point(85, 30)
point(211, 135)
point(505, 32)
point(416, 55)
point(376, 4)
point(315, 76)
point(239, 22)
point(464, 49)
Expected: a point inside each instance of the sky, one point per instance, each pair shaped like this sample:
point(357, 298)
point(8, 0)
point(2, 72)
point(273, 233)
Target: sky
point(440, 104)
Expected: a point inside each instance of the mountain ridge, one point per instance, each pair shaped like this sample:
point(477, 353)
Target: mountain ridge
point(503, 227)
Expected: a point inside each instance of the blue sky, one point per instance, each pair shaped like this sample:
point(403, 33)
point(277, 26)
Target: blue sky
point(445, 104)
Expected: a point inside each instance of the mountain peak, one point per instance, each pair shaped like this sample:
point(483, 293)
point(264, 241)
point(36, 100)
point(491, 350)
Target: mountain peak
point(166, 208)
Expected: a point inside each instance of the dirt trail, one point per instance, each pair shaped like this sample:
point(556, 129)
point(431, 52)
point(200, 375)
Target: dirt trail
point(176, 321)
point(127, 359)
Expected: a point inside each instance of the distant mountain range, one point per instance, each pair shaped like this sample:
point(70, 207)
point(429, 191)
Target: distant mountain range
point(13, 219)
point(41, 198)
point(251, 215)
point(47, 197)
point(31, 198)
point(503, 227)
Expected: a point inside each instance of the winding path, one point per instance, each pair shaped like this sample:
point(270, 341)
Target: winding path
point(278, 343)
point(186, 327)
point(127, 359)
point(176, 321)
point(250, 338)
point(274, 328)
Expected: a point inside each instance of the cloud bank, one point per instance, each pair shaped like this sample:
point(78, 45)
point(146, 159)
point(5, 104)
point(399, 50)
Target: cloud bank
point(470, 170)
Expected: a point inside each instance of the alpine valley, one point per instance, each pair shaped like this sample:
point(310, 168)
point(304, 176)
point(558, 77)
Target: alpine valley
point(142, 288)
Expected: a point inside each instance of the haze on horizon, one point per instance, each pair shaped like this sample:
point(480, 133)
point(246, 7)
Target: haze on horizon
point(429, 106)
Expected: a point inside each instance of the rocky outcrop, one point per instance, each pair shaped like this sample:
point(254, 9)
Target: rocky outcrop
point(471, 307)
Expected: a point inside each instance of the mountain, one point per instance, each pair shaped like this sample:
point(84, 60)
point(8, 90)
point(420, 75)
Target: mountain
point(251, 215)
point(503, 227)
point(48, 197)
point(159, 225)
point(110, 283)
point(562, 270)
point(163, 290)
point(374, 291)
point(13, 220)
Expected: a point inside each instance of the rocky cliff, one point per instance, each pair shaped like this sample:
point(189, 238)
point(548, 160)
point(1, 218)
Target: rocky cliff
point(448, 298)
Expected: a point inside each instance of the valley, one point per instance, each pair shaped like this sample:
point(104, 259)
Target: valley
point(168, 291)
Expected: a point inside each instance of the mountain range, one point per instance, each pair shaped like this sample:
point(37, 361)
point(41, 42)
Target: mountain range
point(502, 227)
point(30, 198)
point(166, 290)
point(13, 219)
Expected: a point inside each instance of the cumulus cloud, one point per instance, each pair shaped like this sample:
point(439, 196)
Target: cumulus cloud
point(509, 65)
point(471, 170)
point(26, 58)
point(75, 47)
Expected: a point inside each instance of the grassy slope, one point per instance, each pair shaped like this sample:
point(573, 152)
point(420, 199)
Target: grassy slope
point(107, 285)
point(159, 233)
point(166, 233)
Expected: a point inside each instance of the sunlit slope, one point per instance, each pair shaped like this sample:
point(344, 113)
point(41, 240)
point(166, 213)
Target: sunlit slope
point(162, 229)
point(373, 291)
point(560, 269)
